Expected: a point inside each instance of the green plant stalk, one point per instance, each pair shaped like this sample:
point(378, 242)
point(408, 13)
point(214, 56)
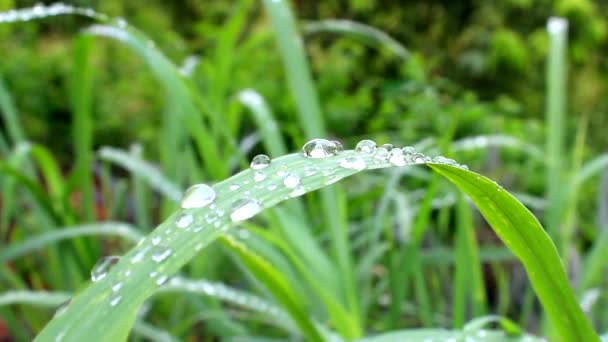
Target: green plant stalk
point(555, 118)
point(82, 124)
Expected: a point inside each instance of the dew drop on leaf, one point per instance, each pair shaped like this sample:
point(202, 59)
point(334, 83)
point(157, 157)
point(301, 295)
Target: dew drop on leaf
point(319, 149)
point(291, 181)
point(354, 163)
point(244, 208)
point(103, 266)
point(259, 162)
point(198, 196)
point(366, 146)
point(160, 253)
point(115, 300)
point(185, 221)
point(259, 176)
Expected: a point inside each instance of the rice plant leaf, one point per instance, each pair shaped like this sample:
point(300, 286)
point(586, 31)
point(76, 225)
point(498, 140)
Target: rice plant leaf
point(524, 235)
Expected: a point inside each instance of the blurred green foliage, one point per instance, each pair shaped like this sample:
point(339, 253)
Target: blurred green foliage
point(495, 48)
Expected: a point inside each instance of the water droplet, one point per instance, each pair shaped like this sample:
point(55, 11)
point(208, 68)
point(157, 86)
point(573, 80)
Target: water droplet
point(272, 187)
point(244, 208)
point(139, 256)
point(417, 158)
point(388, 147)
point(103, 266)
point(299, 191)
point(464, 167)
point(161, 280)
point(338, 145)
point(319, 148)
point(115, 300)
point(366, 146)
point(408, 150)
point(234, 187)
point(443, 160)
point(116, 287)
point(160, 253)
point(153, 274)
point(310, 171)
point(354, 163)
point(259, 176)
point(291, 181)
point(198, 196)
point(260, 161)
point(156, 240)
point(127, 273)
point(185, 221)
point(198, 247)
point(381, 153)
point(397, 158)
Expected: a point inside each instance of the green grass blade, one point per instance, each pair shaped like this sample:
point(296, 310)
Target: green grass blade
point(360, 30)
point(278, 285)
point(523, 234)
point(9, 115)
point(20, 248)
point(82, 123)
point(142, 169)
point(555, 117)
point(267, 125)
point(37, 298)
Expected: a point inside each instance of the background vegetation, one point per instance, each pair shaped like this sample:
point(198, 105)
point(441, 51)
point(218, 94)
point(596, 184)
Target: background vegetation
point(466, 79)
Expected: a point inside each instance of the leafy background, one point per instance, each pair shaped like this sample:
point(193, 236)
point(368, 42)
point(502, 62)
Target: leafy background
point(472, 68)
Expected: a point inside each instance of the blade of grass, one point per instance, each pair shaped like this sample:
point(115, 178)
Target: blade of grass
point(522, 233)
point(555, 117)
point(360, 30)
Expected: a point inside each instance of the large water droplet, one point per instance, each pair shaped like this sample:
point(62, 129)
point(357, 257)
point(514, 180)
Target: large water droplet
point(160, 253)
point(291, 181)
point(244, 208)
point(103, 266)
point(260, 161)
point(185, 221)
point(366, 146)
point(354, 163)
point(198, 196)
point(319, 148)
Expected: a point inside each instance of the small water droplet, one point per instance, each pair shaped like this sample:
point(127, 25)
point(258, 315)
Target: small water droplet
point(310, 171)
point(116, 287)
point(299, 191)
point(259, 176)
point(198, 196)
point(185, 221)
point(233, 187)
point(381, 153)
point(103, 266)
point(397, 158)
point(259, 162)
point(127, 273)
point(388, 147)
point(161, 280)
point(244, 208)
point(272, 187)
point(366, 146)
point(408, 150)
point(160, 253)
point(153, 274)
point(198, 247)
point(319, 148)
point(115, 300)
point(156, 240)
point(354, 163)
point(139, 256)
point(417, 158)
point(291, 181)
point(464, 167)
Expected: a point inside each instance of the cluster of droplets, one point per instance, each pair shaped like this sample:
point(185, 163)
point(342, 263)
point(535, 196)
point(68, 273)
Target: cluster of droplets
point(39, 11)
